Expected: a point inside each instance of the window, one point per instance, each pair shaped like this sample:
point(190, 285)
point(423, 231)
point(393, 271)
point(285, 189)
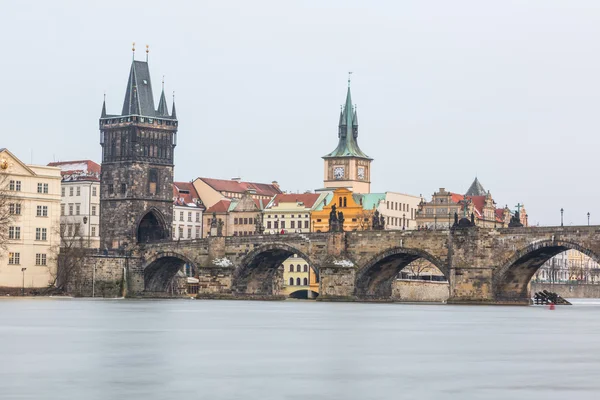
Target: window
point(181, 215)
point(94, 191)
point(111, 189)
point(189, 216)
point(69, 230)
point(197, 217)
point(291, 281)
point(292, 224)
point(71, 191)
point(14, 208)
point(298, 268)
point(268, 224)
point(276, 225)
point(245, 221)
point(197, 232)
point(40, 259)
point(306, 224)
point(235, 221)
point(291, 267)
point(70, 208)
point(62, 191)
point(282, 224)
point(189, 232)
point(78, 190)
point(42, 211)
point(174, 216)
point(14, 232)
point(123, 188)
point(153, 181)
point(305, 282)
point(62, 209)
point(14, 258)
point(77, 209)
point(93, 210)
point(40, 233)
point(93, 231)
point(298, 281)
point(305, 268)
point(180, 232)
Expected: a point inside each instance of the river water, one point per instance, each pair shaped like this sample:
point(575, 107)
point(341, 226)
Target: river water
point(190, 349)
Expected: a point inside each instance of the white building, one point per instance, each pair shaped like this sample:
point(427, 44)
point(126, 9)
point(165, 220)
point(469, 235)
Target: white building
point(80, 202)
point(29, 258)
point(187, 212)
point(399, 210)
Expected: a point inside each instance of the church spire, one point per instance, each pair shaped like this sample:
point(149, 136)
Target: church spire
point(348, 131)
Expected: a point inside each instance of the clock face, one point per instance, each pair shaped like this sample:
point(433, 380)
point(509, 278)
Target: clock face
point(338, 172)
point(361, 173)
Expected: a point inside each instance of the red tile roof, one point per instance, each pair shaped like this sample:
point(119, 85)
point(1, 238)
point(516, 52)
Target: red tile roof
point(220, 207)
point(184, 194)
point(223, 185)
point(308, 199)
point(78, 170)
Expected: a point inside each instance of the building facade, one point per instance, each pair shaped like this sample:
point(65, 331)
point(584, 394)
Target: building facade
point(236, 217)
point(211, 191)
point(290, 213)
point(80, 203)
point(440, 211)
point(347, 166)
point(31, 195)
point(138, 145)
point(399, 210)
point(570, 266)
point(187, 212)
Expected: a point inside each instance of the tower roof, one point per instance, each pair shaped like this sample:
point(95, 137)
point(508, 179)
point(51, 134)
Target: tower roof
point(348, 132)
point(138, 97)
point(163, 110)
point(476, 189)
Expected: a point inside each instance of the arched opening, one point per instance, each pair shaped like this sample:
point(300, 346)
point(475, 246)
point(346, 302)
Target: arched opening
point(151, 228)
point(377, 280)
point(557, 262)
point(270, 271)
point(166, 275)
point(304, 294)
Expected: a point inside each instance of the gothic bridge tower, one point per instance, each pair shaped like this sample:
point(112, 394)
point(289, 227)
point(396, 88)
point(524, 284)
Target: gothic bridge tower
point(347, 166)
point(136, 195)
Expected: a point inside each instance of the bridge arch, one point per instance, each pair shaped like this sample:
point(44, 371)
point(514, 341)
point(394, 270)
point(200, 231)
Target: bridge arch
point(374, 280)
point(160, 270)
point(151, 226)
point(259, 272)
point(511, 279)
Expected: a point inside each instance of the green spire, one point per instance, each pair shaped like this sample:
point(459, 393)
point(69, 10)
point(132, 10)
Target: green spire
point(348, 132)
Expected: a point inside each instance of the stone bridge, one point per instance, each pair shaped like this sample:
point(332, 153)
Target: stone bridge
point(492, 266)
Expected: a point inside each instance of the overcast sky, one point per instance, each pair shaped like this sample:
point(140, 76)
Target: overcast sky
point(445, 90)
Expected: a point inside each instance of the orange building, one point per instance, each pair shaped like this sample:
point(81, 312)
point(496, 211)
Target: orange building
point(356, 218)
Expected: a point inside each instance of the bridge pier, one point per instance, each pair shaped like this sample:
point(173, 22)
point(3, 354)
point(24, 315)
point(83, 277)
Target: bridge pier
point(471, 285)
point(337, 281)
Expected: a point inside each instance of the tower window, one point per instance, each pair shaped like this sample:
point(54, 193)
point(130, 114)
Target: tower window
point(123, 188)
point(153, 181)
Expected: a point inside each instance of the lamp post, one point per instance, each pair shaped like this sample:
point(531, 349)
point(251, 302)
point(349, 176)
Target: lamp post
point(23, 288)
point(403, 221)
point(561, 216)
point(588, 214)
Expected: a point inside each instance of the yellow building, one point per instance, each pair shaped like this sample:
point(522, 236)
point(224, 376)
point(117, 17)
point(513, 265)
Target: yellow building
point(356, 218)
point(300, 280)
point(31, 194)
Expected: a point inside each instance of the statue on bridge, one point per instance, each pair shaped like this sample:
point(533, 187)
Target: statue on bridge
point(378, 221)
point(220, 227)
point(213, 225)
point(515, 220)
point(333, 220)
point(341, 221)
point(258, 224)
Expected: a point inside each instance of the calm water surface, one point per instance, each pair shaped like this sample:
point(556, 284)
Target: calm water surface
point(182, 349)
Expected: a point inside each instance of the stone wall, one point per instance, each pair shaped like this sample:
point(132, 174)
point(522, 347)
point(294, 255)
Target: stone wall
point(575, 291)
point(101, 276)
point(420, 291)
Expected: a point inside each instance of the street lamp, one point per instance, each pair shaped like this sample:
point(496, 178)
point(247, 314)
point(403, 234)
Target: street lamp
point(403, 221)
point(561, 216)
point(588, 219)
point(23, 288)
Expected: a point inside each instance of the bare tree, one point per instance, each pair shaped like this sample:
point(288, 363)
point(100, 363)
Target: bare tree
point(70, 275)
point(421, 267)
point(10, 208)
point(365, 218)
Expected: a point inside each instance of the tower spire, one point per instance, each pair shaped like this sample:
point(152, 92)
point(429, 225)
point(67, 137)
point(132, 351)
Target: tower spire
point(162, 110)
point(103, 114)
point(133, 51)
point(173, 113)
point(147, 51)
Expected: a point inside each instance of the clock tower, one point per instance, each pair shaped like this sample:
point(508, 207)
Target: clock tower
point(347, 166)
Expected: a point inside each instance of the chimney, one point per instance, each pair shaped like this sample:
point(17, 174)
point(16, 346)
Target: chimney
point(236, 179)
point(274, 183)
